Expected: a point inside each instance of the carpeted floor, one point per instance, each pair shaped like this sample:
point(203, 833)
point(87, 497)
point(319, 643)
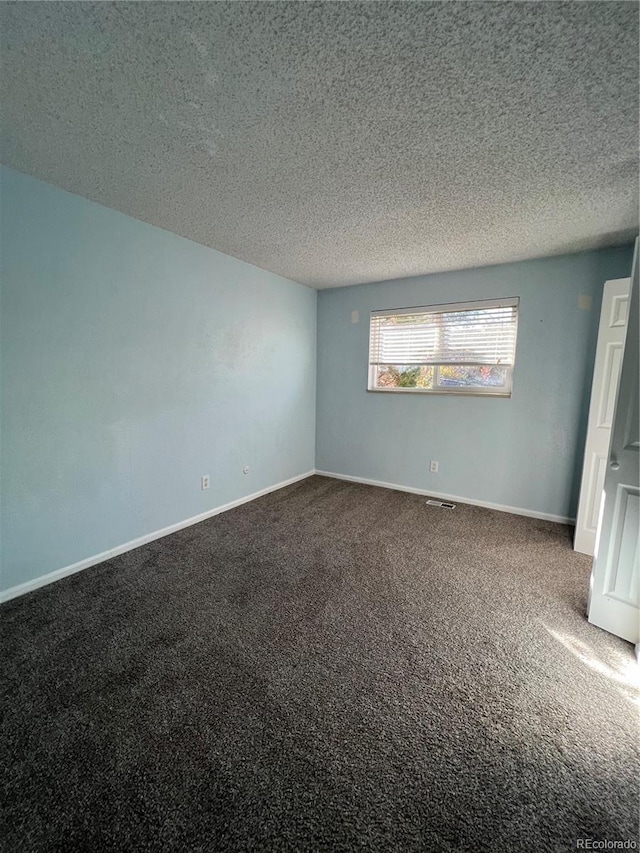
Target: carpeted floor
point(332, 667)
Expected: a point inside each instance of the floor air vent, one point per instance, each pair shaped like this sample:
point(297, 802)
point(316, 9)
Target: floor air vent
point(442, 504)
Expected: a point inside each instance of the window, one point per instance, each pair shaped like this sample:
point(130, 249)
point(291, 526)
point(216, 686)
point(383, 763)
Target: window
point(462, 348)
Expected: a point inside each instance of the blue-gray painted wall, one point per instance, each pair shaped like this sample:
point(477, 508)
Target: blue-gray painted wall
point(133, 362)
point(523, 452)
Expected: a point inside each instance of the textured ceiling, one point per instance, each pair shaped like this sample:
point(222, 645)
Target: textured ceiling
point(336, 143)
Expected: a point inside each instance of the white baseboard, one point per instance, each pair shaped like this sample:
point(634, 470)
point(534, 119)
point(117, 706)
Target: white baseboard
point(43, 580)
point(545, 516)
point(51, 577)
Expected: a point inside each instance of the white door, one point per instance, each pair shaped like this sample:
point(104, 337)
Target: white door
point(604, 390)
point(614, 600)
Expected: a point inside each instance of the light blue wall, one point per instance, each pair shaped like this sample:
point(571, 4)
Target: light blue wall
point(523, 452)
point(133, 362)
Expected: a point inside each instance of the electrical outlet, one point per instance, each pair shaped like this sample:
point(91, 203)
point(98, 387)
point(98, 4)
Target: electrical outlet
point(433, 466)
point(245, 470)
point(205, 482)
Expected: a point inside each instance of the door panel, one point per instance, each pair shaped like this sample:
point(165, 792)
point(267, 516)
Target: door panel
point(598, 469)
point(606, 375)
point(609, 389)
point(614, 602)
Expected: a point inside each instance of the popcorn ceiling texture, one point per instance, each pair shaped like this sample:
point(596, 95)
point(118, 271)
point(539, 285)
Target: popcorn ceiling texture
point(336, 143)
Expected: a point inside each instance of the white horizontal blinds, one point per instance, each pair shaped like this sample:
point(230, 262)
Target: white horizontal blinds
point(471, 333)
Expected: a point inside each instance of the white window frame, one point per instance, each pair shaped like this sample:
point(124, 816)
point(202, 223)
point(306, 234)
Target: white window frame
point(503, 392)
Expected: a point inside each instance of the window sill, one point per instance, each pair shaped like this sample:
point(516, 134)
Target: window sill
point(501, 395)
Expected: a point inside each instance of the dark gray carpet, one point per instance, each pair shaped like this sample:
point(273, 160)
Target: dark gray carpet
point(331, 667)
